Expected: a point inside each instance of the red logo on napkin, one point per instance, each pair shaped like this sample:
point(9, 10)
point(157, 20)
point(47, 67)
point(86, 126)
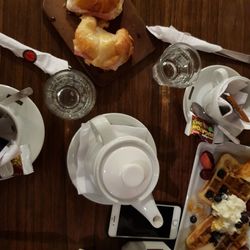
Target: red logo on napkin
point(29, 55)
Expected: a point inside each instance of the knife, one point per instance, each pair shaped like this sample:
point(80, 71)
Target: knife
point(234, 55)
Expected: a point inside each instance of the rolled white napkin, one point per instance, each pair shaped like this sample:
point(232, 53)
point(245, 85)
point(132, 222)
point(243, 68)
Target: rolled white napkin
point(45, 61)
point(83, 183)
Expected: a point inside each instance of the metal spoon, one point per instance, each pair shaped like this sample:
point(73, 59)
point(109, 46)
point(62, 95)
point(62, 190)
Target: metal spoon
point(17, 96)
point(199, 111)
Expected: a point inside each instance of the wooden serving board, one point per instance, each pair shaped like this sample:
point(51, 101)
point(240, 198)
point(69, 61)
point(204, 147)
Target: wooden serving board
point(65, 23)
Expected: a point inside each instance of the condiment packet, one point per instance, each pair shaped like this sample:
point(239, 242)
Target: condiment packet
point(197, 126)
point(8, 153)
point(19, 165)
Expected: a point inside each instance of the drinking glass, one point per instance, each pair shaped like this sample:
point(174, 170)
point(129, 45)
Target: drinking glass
point(69, 94)
point(178, 66)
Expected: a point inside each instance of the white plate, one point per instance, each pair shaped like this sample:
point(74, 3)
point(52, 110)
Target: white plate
point(240, 152)
point(33, 133)
point(204, 84)
point(116, 119)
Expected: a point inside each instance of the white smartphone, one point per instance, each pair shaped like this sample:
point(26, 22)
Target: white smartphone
point(126, 221)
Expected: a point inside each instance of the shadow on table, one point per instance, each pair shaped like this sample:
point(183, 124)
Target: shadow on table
point(58, 241)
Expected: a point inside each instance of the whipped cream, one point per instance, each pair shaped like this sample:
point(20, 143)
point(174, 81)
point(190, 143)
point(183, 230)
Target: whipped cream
point(228, 213)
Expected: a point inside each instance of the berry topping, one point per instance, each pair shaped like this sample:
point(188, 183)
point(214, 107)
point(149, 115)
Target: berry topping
point(206, 174)
point(207, 160)
point(239, 225)
point(209, 194)
point(193, 219)
point(221, 173)
point(213, 241)
point(244, 217)
point(218, 197)
point(223, 189)
point(215, 237)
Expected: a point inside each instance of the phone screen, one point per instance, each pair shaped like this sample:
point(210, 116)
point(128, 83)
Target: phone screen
point(132, 223)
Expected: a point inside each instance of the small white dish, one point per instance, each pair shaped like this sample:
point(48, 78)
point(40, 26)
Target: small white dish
point(240, 152)
point(197, 92)
point(34, 131)
point(114, 119)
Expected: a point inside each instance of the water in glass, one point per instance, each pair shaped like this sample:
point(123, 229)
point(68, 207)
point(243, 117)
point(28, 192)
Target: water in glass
point(178, 66)
point(69, 94)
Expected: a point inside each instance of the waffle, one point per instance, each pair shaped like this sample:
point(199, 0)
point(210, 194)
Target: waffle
point(244, 171)
point(226, 180)
point(202, 236)
point(229, 177)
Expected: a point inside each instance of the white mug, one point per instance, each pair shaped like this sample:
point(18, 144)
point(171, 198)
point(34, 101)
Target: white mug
point(11, 124)
point(213, 103)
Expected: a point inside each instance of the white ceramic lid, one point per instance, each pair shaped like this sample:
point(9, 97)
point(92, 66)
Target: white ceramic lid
point(127, 168)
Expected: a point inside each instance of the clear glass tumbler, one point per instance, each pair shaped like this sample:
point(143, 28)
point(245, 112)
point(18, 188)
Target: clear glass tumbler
point(178, 66)
point(69, 94)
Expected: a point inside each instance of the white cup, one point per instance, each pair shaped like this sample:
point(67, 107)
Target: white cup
point(217, 107)
point(11, 124)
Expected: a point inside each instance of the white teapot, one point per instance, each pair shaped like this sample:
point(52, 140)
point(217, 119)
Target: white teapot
point(121, 169)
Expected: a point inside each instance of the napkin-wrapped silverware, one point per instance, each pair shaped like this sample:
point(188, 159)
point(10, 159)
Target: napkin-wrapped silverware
point(172, 35)
point(45, 61)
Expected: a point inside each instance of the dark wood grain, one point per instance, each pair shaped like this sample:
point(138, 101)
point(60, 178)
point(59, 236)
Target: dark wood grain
point(42, 211)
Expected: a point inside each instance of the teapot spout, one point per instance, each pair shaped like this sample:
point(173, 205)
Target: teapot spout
point(148, 208)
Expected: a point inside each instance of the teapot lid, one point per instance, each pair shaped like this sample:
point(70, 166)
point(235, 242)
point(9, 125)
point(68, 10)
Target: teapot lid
point(126, 169)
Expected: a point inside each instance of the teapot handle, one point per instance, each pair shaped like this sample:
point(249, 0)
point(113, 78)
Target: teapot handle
point(102, 129)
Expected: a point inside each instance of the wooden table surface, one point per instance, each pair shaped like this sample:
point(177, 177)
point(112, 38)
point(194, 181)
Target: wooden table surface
point(42, 211)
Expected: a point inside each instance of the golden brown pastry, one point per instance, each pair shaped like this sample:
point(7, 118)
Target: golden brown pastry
point(101, 48)
point(244, 171)
point(104, 9)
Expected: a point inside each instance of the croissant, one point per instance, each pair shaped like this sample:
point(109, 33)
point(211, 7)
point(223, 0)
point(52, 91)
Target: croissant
point(101, 48)
point(104, 9)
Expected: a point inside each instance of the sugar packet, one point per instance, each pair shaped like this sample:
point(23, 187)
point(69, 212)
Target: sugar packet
point(19, 165)
point(197, 126)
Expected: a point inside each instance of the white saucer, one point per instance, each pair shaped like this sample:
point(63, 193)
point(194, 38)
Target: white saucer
point(116, 119)
point(33, 133)
point(204, 84)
